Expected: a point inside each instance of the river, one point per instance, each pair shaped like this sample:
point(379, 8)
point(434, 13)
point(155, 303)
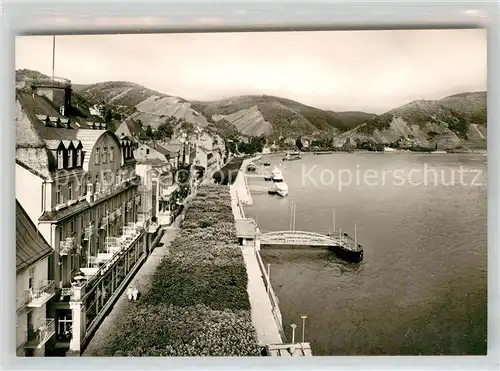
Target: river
point(422, 286)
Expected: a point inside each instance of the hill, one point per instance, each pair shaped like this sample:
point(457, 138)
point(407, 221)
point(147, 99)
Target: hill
point(136, 102)
point(275, 116)
point(455, 121)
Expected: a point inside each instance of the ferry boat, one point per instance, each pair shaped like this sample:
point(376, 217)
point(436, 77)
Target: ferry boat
point(282, 189)
point(277, 175)
point(292, 156)
point(251, 167)
point(348, 249)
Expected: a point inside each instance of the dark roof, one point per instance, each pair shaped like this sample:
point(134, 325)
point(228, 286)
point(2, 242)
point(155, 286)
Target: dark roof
point(30, 245)
point(40, 109)
point(57, 215)
point(162, 149)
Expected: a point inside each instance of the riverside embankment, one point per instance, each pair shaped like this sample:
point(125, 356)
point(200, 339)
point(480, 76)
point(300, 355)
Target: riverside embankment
point(240, 185)
point(266, 316)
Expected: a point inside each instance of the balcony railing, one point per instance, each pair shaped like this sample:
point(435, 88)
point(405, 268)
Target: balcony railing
point(66, 291)
point(36, 297)
point(89, 231)
point(111, 216)
point(118, 212)
point(36, 338)
point(66, 246)
point(104, 222)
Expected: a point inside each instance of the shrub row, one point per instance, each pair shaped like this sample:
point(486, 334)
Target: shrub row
point(198, 303)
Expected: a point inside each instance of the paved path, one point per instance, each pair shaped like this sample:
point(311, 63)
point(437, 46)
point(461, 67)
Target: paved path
point(262, 314)
point(142, 280)
point(261, 309)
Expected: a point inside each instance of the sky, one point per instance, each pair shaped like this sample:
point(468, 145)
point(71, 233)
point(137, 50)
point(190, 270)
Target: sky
point(371, 71)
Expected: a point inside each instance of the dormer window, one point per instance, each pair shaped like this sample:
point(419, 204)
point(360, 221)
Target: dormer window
point(111, 154)
point(78, 159)
point(104, 155)
point(70, 158)
point(60, 159)
point(97, 156)
point(97, 185)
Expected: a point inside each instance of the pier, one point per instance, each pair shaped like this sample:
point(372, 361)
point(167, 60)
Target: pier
point(301, 238)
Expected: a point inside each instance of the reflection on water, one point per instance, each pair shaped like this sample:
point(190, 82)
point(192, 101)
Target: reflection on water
point(421, 288)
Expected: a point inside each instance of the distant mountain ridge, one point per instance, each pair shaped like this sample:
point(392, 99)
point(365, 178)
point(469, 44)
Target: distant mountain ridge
point(456, 120)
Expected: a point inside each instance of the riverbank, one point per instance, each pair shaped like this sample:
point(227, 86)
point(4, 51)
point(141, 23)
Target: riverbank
point(240, 184)
point(266, 317)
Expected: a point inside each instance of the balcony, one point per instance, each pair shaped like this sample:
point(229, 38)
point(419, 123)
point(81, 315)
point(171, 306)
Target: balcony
point(111, 216)
point(36, 297)
point(137, 200)
point(37, 338)
point(104, 222)
point(118, 212)
point(67, 246)
point(89, 231)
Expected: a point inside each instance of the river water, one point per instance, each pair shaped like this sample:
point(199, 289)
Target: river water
point(422, 286)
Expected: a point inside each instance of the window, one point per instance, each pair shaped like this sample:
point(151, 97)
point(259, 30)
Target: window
point(60, 233)
point(31, 278)
point(70, 190)
point(72, 224)
point(97, 156)
point(59, 198)
point(147, 151)
point(78, 157)
point(112, 154)
point(60, 159)
point(70, 158)
point(104, 155)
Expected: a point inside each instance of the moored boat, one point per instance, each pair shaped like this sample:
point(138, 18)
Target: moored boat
point(277, 176)
point(251, 167)
point(267, 163)
point(282, 189)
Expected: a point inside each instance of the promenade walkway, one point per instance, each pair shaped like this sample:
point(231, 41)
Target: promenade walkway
point(142, 280)
point(261, 309)
point(262, 312)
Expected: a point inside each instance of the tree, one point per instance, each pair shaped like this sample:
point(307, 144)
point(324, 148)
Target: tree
point(298, 143)
point(149, 132)
point(165, 130)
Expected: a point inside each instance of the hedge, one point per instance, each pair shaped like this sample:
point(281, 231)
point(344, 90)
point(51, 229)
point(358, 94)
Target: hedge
point(198, 303)
point(167, 330)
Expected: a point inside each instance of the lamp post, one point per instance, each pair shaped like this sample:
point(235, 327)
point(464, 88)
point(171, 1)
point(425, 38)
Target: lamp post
point(268, 277)
point(293, 326)
point(304, 316)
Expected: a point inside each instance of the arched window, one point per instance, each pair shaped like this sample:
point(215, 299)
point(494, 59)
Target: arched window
point(97, 185)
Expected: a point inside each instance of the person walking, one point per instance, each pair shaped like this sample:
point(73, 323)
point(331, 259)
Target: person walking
point(135, 293)
point(130, 293)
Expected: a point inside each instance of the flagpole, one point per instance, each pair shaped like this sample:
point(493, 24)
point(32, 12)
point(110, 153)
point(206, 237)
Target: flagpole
point(53, 55)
